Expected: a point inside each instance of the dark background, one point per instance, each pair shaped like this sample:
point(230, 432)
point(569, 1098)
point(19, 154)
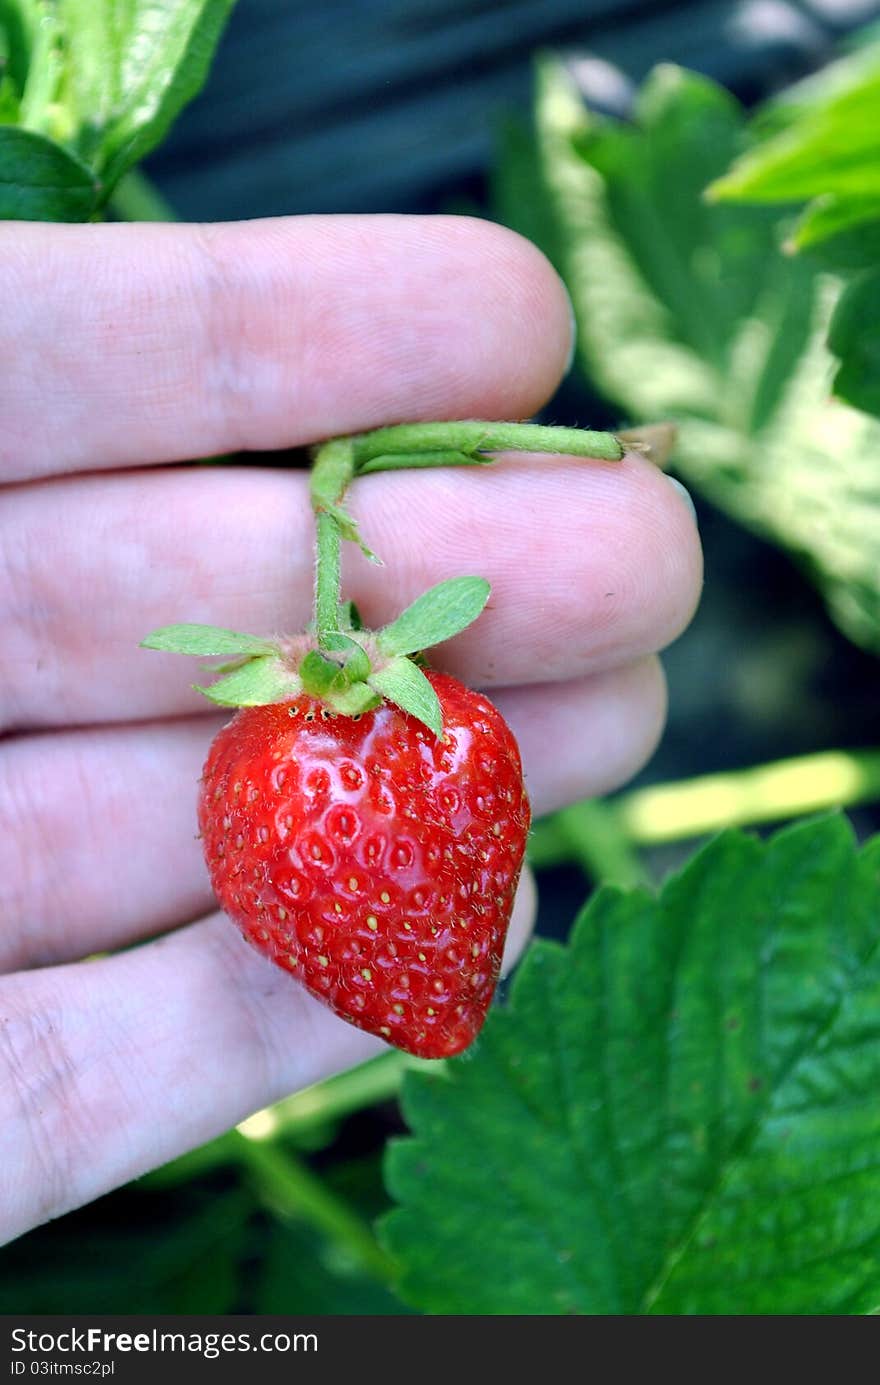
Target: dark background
point(352, 106)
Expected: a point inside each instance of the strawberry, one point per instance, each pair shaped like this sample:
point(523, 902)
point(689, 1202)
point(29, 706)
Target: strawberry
point(372, 860)
point(364, 820)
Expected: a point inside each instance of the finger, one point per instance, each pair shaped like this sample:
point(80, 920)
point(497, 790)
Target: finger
point(136, 344)
point(522, 920)
point(591, 564)
point(113, 1067)
point(98, 843)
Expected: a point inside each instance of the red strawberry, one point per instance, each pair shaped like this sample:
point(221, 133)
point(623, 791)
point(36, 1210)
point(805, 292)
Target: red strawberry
point(372, 860)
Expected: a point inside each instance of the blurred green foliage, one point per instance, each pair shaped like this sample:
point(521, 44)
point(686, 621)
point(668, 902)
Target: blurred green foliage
point(689, 311)
point(87, 89)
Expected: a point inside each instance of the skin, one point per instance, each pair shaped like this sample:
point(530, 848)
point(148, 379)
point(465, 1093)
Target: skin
point(126, 346)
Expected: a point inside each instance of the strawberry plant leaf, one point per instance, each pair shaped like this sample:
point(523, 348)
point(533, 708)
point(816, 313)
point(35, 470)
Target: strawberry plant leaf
point(675, 1113)
point(256, 684)
point(404, 684)
point(844, 233)
point(205, 639)
point(130, 70)
point(436, 615)
point(824, 141)
point(686, 311)
point(854, 337)
point(40, 181)
point(100, 84)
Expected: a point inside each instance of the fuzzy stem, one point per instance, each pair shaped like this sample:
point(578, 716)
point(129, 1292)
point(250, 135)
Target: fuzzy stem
point(460, 442)
point(332, 470)
point(327, 578)
point(469, 437)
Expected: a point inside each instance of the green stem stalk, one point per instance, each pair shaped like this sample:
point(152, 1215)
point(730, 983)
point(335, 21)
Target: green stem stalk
point(136, 198)
point(291, 1189)
point(332, 470)
point(458, 443)
point(328, 578)
point(337, 1097)
point(469, 437)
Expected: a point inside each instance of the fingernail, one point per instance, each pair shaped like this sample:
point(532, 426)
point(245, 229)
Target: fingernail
point(685, 495)
point(574, 330)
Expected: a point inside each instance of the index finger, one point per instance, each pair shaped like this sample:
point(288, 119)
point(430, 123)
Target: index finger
point(125, 345)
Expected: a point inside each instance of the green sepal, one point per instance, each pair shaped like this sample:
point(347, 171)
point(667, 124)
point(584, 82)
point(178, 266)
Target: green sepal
point(205, 640)
point(256, 684)
point(357, 665)
point(319, 675)
point(354, 700)
point(437, 615)
point(350, 616)
point(229, 665)
point(402, 683)
point(322, 677)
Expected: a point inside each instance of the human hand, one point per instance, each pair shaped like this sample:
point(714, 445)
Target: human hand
point(126, 347)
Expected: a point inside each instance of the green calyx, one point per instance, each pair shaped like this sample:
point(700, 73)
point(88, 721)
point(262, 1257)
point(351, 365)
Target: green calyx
point(354, 673)
point(349, 669)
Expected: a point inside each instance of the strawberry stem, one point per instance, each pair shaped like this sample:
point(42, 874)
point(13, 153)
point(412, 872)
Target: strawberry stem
point(469, 438)
point(332, 471)
point(327, 579)
point(463, 442)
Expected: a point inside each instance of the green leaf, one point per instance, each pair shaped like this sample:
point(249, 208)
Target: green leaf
point(40, 181)
point(205, 640)
point(845, 231)
point(130, 69)
point(437, 615)
point(257, 683)
point(9, 107)
point(821, 141)
point(677, 1113)
point(402, 683)
point(827, 141)
point(687, 312)
point(854, 336)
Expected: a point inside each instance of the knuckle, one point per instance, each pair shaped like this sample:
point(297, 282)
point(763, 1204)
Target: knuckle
point(39, 1107)
point(37, 831)
point(225, 360)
